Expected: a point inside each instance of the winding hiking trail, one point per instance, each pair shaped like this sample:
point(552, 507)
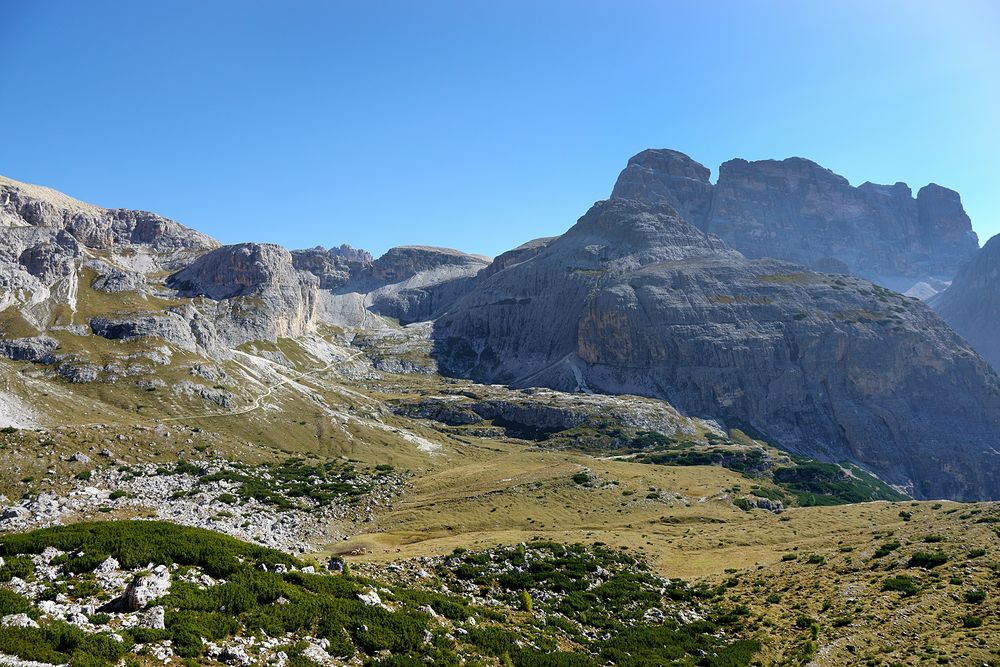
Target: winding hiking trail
point(259, 400)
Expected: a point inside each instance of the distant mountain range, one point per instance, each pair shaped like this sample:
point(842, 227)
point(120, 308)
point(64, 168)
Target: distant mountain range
point(764, 301)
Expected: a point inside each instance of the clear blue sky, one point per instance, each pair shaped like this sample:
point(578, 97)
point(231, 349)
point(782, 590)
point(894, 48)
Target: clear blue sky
point(479, 125)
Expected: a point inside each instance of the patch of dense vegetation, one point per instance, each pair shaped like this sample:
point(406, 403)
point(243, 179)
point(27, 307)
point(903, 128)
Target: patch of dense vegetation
point(281, 485)
point(587, 593)
point(806, 482)
point(816, 483)
point(138, 543)
point(594, 591)
point(747, 461)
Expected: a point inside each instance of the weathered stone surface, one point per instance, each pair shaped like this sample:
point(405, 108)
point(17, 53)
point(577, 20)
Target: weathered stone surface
point(333, 267)
point(408, 283)
point(145, 588)
point(259, 293)
point(634, 300)
point(17, 621)
point(38, 349)
point(22, 204)
point(112, 279)
point(972, 304)
point(170, 327)
point(795, 210)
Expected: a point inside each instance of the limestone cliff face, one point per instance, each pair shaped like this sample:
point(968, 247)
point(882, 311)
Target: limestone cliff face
point(46, 238)
point(333, 267)
point(633, 299)
point(24, 205)
point(258, 292)
point(795, 210)
point(972, 304)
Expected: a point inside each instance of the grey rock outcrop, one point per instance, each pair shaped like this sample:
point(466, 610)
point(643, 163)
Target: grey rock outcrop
point(112, 279)
point(258, 292)
point(145, 588)
point(972, 304)
point(183, 326)
point(417, 282)
point(37, 349)
point(46, 238)
point(408, 283)
point(634, 300)
point(798, 211)
point(333, 267)
point(25, 205)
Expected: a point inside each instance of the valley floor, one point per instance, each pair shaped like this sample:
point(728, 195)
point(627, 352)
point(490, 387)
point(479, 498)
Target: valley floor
point(322, 456)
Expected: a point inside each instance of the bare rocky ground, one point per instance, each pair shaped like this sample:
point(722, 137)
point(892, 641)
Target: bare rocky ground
point(158, 491)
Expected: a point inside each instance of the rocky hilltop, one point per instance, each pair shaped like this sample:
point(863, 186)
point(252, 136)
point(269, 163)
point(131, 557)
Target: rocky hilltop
point(972, 304)
point(180, 286)
point(633, 299)
point(798, 211)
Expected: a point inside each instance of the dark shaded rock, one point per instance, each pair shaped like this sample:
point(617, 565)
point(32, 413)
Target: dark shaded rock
point(971, 305)
point(78, 373)
point(52, 260)
point(168, 326)
point(522, 253)
point(399, 264)
point(663, 175)
point(447, 412)
point(37, 349)
point(634, 300)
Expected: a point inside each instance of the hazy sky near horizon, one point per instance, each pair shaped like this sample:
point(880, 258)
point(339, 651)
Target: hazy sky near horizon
point(479, 125)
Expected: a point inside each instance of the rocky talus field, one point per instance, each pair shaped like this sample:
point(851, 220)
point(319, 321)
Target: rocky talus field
point(633, 444)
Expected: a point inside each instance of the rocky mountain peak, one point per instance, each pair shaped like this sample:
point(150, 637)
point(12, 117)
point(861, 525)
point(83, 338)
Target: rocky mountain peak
point(663, 175)
point(797, 210)
point(942, 216)
point(641, 232)
point(23, 205)
point(403, 262)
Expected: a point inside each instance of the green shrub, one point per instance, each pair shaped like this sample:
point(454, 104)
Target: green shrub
point(12, 603)
point(972, 622)
point(928, 559)
point(975, 596)
point(902, 584)
point(14, 566)
point(885, 549)
point(136, 543)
